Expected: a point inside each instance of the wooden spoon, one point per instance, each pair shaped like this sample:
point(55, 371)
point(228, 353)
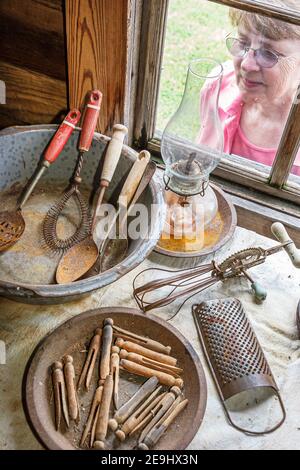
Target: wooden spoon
point(79, 259)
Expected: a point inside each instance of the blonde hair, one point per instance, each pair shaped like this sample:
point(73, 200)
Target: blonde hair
point(271, 28)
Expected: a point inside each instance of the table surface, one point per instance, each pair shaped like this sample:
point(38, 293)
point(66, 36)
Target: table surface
point(23, 326)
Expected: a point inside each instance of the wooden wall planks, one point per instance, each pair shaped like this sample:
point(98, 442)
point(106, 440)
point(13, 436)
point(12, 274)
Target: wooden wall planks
point(31, 97)
point(32, 61)
point(97, 54)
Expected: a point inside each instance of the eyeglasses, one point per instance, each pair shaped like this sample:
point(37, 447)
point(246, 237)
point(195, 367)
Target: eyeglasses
point(264, 57)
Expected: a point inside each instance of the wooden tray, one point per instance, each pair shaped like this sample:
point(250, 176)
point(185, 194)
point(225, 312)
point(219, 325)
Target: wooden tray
point(73, 337)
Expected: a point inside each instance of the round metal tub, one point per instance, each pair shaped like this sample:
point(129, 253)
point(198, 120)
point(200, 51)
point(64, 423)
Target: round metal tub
point(27, 270)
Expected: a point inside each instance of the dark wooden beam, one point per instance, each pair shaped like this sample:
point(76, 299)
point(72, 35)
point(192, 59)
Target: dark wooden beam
point(31, 97)
point(32, 36)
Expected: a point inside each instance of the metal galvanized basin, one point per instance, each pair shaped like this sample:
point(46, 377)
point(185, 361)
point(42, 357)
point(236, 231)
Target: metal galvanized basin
point(27, 270)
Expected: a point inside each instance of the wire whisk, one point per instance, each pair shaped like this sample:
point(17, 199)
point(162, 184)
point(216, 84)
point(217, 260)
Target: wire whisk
point(171, 286)
point(50, 225)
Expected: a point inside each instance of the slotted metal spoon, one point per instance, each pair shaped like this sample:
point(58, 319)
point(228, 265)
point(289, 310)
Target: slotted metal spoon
point(12, 223)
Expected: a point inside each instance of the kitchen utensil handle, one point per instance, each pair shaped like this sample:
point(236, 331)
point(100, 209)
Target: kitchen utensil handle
point(281, 234)
point(133, 179)
point(147, 176)
point(113, 153)
point(61, 136)
point(90, 118)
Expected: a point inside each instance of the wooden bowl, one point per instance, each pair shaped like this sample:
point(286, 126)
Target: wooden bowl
point(73, 337)
point(227, 220)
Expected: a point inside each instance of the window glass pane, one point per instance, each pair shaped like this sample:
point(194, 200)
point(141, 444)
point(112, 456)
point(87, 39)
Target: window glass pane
point(261, 61)
point(292, 5)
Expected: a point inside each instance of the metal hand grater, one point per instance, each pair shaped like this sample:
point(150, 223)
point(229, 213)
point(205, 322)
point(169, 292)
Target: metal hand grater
point(233, 353)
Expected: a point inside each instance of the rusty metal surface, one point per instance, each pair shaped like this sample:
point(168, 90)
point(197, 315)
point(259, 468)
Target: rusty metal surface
point(27, 269)
point(234, 355)
point(72, 338)
point(12, 226)
point(77, 261)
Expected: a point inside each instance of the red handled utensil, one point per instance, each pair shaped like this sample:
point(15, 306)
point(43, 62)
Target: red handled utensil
point(82, 256)
point(12, 223)
point(51, 237)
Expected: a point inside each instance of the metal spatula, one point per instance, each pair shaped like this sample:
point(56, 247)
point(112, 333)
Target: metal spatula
point(114, 250)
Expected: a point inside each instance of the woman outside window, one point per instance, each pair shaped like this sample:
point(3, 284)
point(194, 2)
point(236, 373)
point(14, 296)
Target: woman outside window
point(260, 84)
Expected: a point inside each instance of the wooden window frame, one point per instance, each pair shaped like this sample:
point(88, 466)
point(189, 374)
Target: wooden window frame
point(152, 35)
point(126, 64)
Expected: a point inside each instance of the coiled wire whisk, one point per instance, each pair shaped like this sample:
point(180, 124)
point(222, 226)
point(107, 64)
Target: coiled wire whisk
point(53, 241)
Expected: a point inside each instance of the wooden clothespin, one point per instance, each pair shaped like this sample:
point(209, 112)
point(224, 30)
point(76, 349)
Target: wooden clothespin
point(115, 371)
point(73, 404)
point(140, 417)
point(59, 390)
point(103, 416)
point(89, 364)
point(174, 396)
point(160, 428)
point(125, 411)
point(107, 336)
point(93, 415)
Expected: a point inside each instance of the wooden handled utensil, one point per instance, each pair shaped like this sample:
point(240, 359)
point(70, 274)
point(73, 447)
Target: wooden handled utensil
point(12, 223)
point(114, 250)
point(53, 241)
point(281, 234)
point(81, 257)
point(130, 187)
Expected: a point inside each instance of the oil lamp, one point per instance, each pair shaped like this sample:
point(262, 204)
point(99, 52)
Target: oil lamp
point(191, 147)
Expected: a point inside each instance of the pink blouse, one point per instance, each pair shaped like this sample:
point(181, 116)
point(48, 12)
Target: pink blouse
point(230, 109)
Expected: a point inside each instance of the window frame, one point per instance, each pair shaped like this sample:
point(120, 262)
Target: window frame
point(151, 48)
